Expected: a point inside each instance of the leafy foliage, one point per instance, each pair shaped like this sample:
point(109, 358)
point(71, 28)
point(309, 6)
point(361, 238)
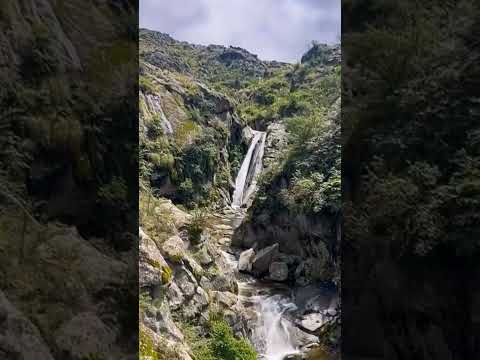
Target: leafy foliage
point(221, 344)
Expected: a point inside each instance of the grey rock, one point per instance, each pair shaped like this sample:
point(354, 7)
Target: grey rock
point(262, 260)
point(201, 297)
point(174, 248)
point(225, 298)
point(160, 321)
point(174, 296)
point(151, 261)
point(204, 257)
point(19, 338)
point(205, 283)
point(186, 282)
point(224, 283)
point(245, 260)
point(278, 271)
point(84, 335)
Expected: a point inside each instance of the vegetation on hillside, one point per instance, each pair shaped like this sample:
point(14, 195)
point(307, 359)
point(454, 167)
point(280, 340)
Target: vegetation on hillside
point(306, 99)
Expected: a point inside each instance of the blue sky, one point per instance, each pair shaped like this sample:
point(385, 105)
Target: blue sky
point(274, 29)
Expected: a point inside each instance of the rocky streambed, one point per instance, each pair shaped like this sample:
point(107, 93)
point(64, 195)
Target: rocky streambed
point(284, 320)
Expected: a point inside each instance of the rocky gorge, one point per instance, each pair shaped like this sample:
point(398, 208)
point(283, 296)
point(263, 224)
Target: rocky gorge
point(234, 264)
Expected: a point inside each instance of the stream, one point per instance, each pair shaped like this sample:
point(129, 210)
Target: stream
point(278, 308)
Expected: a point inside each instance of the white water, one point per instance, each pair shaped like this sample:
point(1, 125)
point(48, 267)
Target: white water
point(246, 181)
point(272, 335)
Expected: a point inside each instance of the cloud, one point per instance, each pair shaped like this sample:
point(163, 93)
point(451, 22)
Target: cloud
point(273, 29)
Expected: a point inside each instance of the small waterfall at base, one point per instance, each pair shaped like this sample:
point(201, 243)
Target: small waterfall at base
point(246, 181)
point(272, 336)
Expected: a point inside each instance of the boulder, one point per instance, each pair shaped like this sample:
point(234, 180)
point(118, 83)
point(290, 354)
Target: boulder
point(205, 283)
point(224, 298)
point(151, 261)
point(245, 260)
point(201, 297)
point(193, 266)
point(83, 336)
point(312, 321)
point(174, 248)
point(20, 338)
point(262, 260)
point(204, 257)
point(224, 283)
point(180, 218)
point(278, 271)
point(160, 321)
point(175, 296)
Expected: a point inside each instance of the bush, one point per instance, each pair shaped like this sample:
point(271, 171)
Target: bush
point(196, 226)
point(221, 345)
point(226, 346)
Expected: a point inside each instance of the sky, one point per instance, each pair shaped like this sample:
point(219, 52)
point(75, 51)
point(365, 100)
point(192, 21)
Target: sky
point(273, 29)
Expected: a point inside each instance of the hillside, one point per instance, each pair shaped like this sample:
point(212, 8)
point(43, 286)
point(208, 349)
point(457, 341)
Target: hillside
point(216, 125)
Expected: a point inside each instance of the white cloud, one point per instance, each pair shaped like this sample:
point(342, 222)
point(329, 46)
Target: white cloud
point(273, 29)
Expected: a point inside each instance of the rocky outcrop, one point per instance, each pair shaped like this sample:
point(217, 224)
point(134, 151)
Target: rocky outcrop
point(84, 336)
point(263, 258)
point(20, 339)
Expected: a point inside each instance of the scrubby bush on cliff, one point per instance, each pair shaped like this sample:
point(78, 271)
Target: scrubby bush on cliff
point(221, 344)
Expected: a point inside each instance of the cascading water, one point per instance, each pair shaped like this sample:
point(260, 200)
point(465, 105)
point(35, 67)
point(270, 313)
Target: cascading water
point(272, 335)
point(246, 181)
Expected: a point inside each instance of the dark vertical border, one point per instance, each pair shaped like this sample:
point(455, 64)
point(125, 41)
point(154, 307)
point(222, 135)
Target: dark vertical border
point(69, 179)
point(411, 126)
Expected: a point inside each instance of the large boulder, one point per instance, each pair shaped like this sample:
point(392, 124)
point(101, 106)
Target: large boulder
point(262, 260)
point(245, 260)
point(278, 271)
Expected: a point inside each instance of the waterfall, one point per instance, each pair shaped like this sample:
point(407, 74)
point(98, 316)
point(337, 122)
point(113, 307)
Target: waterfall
point(272, 335)
point(246, 181)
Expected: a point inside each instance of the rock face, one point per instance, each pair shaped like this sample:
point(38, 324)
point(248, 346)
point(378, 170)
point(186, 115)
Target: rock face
point(278, 271)
point(262, 260)
point(276, 143)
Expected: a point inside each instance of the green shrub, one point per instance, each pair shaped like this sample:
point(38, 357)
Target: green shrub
point(114, 192)
point(186, 190)
point(226, 346)
point(221, 344)
point(196, 226)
